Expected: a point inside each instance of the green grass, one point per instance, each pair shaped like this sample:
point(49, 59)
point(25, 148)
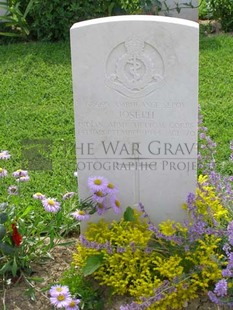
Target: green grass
point(36, 103)
point(216, 93)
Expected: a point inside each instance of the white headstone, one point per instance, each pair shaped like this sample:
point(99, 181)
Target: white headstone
point(180, 9)
point(135, 84)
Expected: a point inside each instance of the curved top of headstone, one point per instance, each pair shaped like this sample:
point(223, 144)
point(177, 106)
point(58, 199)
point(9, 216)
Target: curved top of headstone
point(143, 18)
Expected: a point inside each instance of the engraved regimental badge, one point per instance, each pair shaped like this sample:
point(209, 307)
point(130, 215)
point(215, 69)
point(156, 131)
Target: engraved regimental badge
point(134, 68)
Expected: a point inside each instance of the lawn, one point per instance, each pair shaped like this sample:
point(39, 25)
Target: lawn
point(37, 113)
point(216, 93)
point(37, 107)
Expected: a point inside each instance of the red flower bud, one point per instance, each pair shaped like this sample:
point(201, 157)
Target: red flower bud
point(16, 237)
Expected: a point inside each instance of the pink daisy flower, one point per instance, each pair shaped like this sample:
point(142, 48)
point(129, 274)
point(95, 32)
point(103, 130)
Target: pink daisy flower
point(61, 300)
point(101, 208)
point(51, 205)
point(4, 155)
point(111, 189)
point(68, 195)
point(39, 196)
point(3, 173)
point(115, 204)
point(58, 289)
point(20, 173)
point(96, 184)
point(23, 179)
point(73, 305)
point(13, 190)
point(99, 196)
point(80, 215)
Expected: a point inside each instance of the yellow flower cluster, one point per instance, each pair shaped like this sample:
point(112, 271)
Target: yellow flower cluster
point(207, 257)
point(170, 228)
point(208, 202)
point(133, 269)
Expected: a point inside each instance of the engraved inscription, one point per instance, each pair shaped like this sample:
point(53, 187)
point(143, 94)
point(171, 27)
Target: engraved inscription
point(134, 68)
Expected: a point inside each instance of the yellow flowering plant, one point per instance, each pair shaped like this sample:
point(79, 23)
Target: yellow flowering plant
point(160, 267)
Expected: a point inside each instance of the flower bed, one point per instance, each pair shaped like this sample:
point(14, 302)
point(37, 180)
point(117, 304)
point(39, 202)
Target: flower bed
point(156, 267)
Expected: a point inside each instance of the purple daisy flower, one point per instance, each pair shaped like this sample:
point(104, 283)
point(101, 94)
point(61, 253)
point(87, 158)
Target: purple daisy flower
point(20, 173)
point(99, 196)
point(3, 173)
point(39, 196)
point(101, 208)
point(58, 289)
point(111, 189)
point(96, 184)
point(13, 190)
point(115, 204)
point(80, 215)
point(23, 179)
point(68, 195)
point(4, 155)
point(51, 205)
point(73, 305)
point(61, 300)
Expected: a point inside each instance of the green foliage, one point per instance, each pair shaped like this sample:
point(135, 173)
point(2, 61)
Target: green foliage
point(129, 214)
point(52, 19)
point(27, 231)
point(130, 6)
point(223, 11)
point(92, 264)
point(83, 288)
point(204, 10)
point(14, 22)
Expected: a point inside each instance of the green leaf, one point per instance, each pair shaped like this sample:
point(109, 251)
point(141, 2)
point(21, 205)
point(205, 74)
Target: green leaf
point(6, 267)
point(92, 264)
point(30, 292)
point(129, 215)
point(66, 243)
point(26, 211)
point(3, 218)
point(2, 231)
point(14, 267)
point(35, 279)
point(9, 34)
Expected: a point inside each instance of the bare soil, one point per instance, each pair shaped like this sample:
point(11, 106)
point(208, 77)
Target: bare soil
point(14, 297)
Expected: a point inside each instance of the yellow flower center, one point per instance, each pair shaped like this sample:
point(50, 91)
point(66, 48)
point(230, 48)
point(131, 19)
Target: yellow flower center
point(60, 297)
point(81, 212)
point(100, 206)
point(38, 194)
point(99, 194)
point(58, 289)
point(1, 170)
point(51, 202)
point(117, 203)
point(98, 182)
point(110, 185)
point(72, 304)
